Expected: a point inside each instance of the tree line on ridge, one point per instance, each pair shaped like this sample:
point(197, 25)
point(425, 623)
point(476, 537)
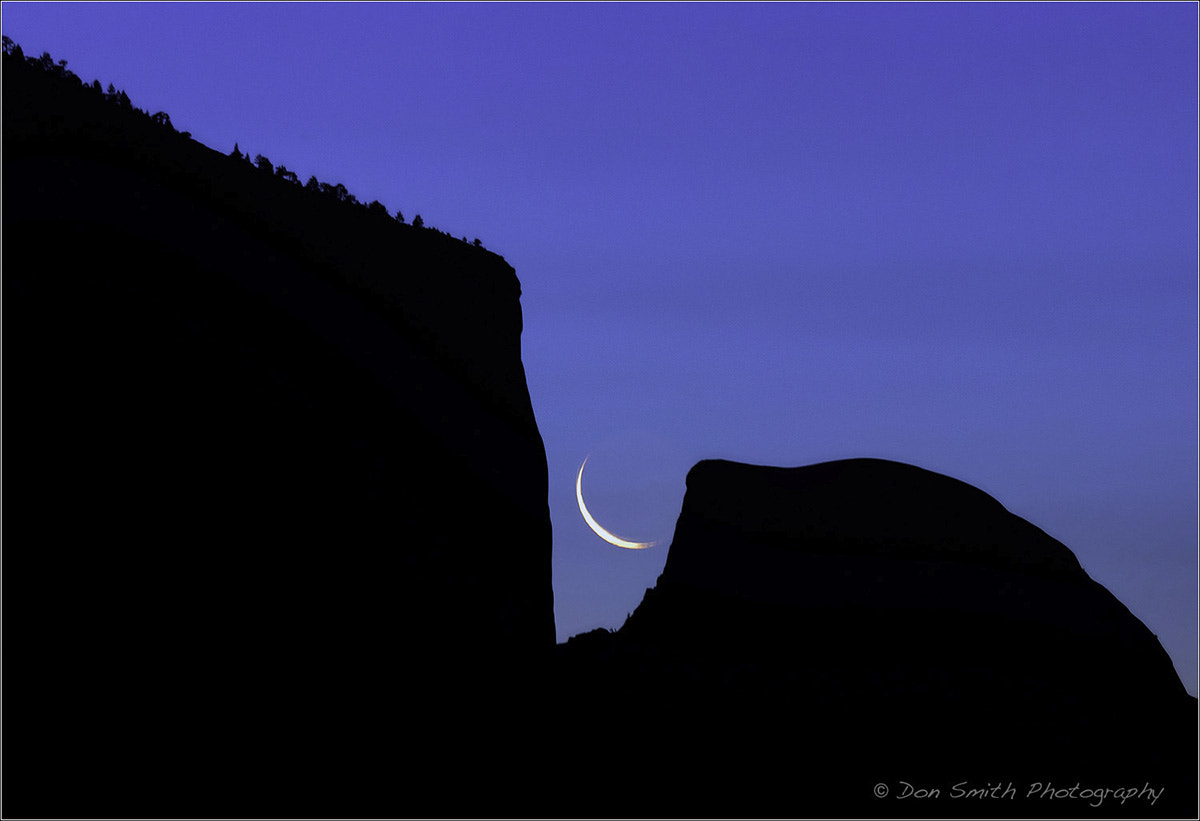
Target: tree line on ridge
point(335, 191)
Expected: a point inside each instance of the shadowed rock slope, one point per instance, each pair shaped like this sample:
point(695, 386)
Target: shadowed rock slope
point(822, 630)
point(276, 512)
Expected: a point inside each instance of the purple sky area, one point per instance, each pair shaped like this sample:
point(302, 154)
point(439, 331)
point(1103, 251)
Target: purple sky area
point(960, 236)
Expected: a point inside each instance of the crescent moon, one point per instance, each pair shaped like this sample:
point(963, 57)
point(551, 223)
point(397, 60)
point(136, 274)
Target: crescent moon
point(594, 525)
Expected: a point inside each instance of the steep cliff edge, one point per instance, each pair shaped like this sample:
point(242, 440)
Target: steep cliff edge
point(823, 636)
point(276, 502)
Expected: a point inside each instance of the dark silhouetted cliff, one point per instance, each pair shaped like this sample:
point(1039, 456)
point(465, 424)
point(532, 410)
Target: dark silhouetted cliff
point(276, 501)
point(820, 631)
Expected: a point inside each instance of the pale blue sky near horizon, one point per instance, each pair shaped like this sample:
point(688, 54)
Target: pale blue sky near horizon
point(960, 235)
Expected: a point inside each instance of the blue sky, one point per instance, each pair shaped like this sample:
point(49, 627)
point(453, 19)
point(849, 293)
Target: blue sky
point(957, 235)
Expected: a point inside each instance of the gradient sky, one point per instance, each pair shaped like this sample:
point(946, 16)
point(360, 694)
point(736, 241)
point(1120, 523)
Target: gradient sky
point(959, 236)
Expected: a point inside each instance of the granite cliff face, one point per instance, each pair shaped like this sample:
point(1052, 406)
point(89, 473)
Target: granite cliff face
point(263, 453)
point(821, 630)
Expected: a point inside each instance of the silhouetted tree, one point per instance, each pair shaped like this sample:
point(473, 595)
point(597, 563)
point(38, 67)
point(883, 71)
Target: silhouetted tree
point(9, 46)
point(235, 153)
point(287, 175)
point(313, 185)
point(378, 208)
point(263, 164)
point(418, 222)
point(477, 243)
point(119, 97)
point(399, 216)
point(162, 118)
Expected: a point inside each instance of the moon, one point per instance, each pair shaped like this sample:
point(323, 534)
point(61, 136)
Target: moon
point(594, 525)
